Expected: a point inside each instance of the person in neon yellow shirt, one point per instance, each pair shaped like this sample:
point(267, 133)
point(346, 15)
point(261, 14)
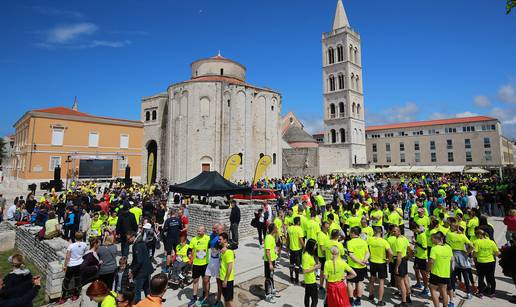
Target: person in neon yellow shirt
point(322, 239)
point(269, 261)
point(295, 240)
point(96, 226)
point(335, 271)
point(310, 265)
point(420, 242)
point(381, 253)
point(358, 260)
point(366, 230)
point(485, 252)
point(312, 227)
point(376, 216)
point(199, 246)
point(227, 270)
point(422, 218)
point(439, 265)
point(473, 222)
point(401, 248)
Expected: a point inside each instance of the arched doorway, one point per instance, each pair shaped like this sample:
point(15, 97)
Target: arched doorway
point(152, 156)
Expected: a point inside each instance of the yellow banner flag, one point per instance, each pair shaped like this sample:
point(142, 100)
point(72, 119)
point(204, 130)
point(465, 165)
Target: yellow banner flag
point(231, 165)
point(261, 167)
point(150, 168)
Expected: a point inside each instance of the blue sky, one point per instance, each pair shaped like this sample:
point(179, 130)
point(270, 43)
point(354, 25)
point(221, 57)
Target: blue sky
point(421, 59)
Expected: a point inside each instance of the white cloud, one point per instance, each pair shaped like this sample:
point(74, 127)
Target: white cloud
point(51, 11)
point(66, 33)
point(482, 101)
point(466, 114)
point(313, 124)
point(507, 116)
point(395, 114)
point(507, 93)
point(438, 115)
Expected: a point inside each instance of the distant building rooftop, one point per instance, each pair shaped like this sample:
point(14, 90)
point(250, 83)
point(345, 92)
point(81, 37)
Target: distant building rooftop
point(446, 121)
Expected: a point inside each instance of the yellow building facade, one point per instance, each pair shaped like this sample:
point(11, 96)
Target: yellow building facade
point(83, 145)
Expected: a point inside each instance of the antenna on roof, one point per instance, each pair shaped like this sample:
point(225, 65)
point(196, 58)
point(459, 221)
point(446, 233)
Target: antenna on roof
point(75, 105)
point(219, 53)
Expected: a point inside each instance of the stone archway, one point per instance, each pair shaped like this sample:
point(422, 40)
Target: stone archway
point(152, 161)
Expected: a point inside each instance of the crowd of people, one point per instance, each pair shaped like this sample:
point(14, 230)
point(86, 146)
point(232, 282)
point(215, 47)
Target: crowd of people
point(345, 236)
point(363, 233)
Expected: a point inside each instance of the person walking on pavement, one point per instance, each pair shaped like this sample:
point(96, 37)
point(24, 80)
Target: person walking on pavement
point(234, 220)
point(141, 266)
point(171, 230)
point(126, 223)
point(199, 246)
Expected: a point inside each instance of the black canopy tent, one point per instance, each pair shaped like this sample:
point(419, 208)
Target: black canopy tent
point(209, 184)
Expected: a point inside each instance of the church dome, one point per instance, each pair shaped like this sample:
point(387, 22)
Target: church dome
point(218, 66)
point(299, 138)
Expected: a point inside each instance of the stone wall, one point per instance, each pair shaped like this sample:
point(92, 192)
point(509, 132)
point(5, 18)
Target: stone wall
point(204, 215)
point(46, 255)
point(300, 162)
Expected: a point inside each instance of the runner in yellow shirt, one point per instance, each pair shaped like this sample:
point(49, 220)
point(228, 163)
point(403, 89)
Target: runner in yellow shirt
point(335, 271)
point(295, 240)
point(440, 263)
point(358, 260)
point(381, 253)
point(420, 242)
point(485, 253)
point(322, 239)
point(310, 266)
point(269, 261)
point(227, 270)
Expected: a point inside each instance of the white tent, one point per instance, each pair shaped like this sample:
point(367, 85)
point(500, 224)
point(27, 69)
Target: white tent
point(446, 169)
point(476, 170)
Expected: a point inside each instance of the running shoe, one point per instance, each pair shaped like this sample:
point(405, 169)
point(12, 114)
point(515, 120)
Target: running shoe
point(417, 286)
point(380, 303)
point(192, 302)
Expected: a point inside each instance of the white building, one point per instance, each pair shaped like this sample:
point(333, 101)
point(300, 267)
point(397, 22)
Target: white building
point(344, 123)
point(197, 124)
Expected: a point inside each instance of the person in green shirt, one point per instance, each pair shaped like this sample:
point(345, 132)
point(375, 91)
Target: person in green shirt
point(322, 239)
point(439, 265)
point(358, 260)
point(312, 227)
point(485, 251)
point(473, 222)
point(394, 217)
point(381, 253)
point(460, 245)
point(199, 247)
point(227, 270)
point(281, 229)
point(376, 215)
point(422, 218)
point(401, 248)
point(96, 226)
point(333, 241)
point(367, 231)
point(335, 271)
point(269, 261)
point(295, 240)
point(420, 258)
point(310, 265)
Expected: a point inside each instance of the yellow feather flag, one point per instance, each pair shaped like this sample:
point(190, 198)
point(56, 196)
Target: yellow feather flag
point(150, 168)
point(261, 167)
point(231, 165)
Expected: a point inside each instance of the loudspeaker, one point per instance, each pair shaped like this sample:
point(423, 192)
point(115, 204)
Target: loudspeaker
point(127, 172)
point(44, 186)
point(56, 184)
point(57, 173)
point(32, 188)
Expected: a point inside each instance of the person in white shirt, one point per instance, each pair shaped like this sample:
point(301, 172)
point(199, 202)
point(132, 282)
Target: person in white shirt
point(72, 268)
point(472, 201)
point(10, 213)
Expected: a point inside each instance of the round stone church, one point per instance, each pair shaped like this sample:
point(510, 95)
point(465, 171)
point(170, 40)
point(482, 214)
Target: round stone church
point(197, 124)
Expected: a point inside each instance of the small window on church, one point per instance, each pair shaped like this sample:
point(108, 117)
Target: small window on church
point(229, 102)
point(154, 115)
point(222, 71)
point(272, 108)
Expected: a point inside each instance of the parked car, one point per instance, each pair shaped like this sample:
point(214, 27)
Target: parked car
point(257, 194)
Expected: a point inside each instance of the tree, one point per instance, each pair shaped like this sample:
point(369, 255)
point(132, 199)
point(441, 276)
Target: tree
point(510, 5)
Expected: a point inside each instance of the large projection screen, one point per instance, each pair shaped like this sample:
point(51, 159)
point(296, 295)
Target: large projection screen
point(95, 169)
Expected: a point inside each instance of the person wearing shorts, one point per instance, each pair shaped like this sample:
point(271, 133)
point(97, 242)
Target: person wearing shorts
point(401, 248)
point(295, 241)
point(269, 260)
point(439, 265)
point(358, 259)
point(381, 253)
point(420, 258)
point(213, 267)
point(227, 270)
point(199, 247)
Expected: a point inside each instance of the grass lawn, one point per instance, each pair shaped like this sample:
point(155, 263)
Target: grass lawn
point(5, 268)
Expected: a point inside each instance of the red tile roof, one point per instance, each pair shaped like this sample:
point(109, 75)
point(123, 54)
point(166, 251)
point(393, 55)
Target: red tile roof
point(71, 112)
point(446, 121)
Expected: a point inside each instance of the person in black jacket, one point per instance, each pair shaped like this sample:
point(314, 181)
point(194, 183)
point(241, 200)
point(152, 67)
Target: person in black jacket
point(234, 220)
point(29, 290)
point(125, 224)
point(141, 268)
